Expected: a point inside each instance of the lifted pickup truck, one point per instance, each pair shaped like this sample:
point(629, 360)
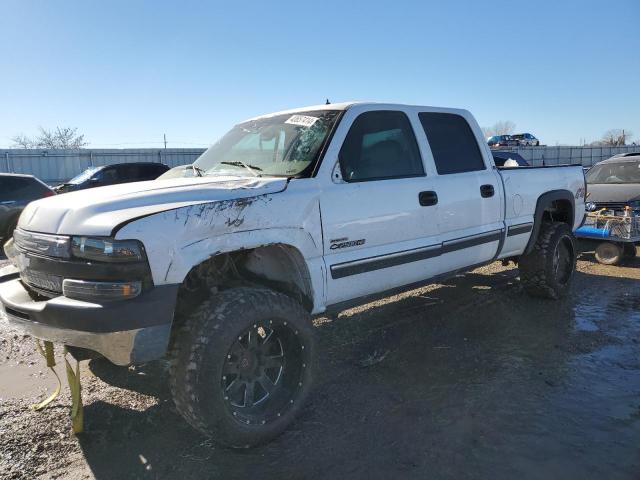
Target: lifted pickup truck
point(290, 215)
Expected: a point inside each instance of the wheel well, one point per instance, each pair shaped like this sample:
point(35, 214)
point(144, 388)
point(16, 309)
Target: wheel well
point(553, 206)
point(278, 266)
point(559, 211)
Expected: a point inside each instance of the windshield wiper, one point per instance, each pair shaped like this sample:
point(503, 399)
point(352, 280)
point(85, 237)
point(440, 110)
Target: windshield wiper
point(199, 171)
point(238, 163)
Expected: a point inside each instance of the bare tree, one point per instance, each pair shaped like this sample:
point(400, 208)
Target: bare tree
point(503, 127)
point(22, 141)
point(62, 138)
point(615, 137)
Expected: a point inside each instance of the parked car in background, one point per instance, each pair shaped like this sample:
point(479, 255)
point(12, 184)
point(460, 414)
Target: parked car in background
point(502, 141)
point(525, 139)
point(502, 156)
point(15, 192)
point(615, 183)
point(113, 174)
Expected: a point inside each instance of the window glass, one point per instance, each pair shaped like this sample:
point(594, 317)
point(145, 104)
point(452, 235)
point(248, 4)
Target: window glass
point(108, 175)
point(623, 172)
point(278, 145)
point(452, 143)
point(380, 145)
point(18, 188)
point(84, 176)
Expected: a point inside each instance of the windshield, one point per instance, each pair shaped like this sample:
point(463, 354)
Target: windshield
point(623, 172)
point(84, 176)
point(281, 145)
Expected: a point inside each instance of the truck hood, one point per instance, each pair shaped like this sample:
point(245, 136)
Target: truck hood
point(613, 192)
point(97, 211)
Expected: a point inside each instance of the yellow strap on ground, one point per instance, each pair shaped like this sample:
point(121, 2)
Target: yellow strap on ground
point(77, 410)
point(47, 353)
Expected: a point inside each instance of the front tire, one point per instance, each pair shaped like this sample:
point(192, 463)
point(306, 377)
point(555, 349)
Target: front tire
point(548, 269)
point(242, 365)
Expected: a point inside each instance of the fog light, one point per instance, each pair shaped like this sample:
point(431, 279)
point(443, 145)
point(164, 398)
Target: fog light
point(100, 291)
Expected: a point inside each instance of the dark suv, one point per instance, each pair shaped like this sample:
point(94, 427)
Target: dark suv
point(15, 192)
point(112, 174)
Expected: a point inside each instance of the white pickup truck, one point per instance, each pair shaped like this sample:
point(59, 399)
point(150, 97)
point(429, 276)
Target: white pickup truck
point(288, 216)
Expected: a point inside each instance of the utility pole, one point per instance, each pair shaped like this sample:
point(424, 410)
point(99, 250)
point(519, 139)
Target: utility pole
point(165, 140)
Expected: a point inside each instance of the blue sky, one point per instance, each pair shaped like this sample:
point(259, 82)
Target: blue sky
point(125, 72)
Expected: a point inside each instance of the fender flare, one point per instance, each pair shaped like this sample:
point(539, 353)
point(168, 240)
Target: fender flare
point(544, 202)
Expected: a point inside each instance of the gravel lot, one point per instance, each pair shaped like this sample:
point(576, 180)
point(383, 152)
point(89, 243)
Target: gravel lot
point(467, 379)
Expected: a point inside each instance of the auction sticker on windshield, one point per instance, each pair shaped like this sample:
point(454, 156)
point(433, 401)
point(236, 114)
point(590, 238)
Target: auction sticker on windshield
point(302, 120)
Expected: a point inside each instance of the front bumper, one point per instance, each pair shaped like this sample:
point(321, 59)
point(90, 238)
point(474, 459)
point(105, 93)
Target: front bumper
point(125, 332)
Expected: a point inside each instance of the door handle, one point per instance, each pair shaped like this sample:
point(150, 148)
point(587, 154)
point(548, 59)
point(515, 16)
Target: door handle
point(8, 202)
point(487, 191)
point(428, 198)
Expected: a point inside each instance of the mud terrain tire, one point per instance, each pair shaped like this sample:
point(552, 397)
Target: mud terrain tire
point(221, 354)
point(547, 270)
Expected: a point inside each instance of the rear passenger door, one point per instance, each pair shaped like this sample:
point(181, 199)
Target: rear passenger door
point(379, 228)
point(470, 203)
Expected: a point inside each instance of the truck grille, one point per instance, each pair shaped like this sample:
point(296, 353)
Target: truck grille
point(611, 205)
point(43, 283)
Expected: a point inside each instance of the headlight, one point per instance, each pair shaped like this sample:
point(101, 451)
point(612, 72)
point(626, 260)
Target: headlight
point(590, 206)
point(107, 249)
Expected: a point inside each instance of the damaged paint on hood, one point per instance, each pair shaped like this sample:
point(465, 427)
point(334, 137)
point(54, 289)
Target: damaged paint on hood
point(98, 211)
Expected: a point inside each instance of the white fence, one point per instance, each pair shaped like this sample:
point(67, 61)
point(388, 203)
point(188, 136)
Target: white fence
point(59, 165)
point(54, 166)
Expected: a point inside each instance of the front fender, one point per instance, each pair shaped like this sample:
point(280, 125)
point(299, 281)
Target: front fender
point(177, 240)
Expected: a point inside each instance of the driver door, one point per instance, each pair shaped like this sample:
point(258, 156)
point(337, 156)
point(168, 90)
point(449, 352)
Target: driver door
point(380, 219)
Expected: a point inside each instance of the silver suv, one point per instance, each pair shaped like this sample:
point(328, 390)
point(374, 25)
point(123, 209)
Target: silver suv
point(526, 139)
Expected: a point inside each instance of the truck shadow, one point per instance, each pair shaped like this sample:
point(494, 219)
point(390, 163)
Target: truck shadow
point(443, 381)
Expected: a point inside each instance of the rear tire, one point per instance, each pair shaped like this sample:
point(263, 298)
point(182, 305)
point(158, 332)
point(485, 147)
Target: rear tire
point(242, 365)
point(548, 269)
point(609, 253)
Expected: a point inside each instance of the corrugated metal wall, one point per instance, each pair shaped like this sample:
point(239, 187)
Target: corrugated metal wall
point(586, 156)
point(54, 166)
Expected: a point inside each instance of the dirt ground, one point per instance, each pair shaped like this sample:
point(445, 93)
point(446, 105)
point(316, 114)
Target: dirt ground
point(462, 380)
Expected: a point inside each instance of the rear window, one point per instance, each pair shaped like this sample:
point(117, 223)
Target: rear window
point(453, 145)
point(20, 188)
